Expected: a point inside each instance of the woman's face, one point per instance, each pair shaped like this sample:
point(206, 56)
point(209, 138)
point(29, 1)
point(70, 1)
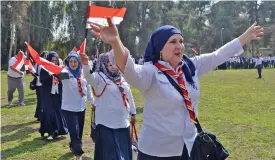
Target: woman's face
point(54, 60)
point(112, 67)
point(73, 63)
point(173, 50)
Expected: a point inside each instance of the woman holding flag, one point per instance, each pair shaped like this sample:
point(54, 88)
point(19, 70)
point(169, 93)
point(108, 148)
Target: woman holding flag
point(52, 119)
point(76, 90)
point(38, 87)
point(115, 103)
point(169, 117)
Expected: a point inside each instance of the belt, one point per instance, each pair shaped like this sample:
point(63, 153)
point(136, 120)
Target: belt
point(15, 77)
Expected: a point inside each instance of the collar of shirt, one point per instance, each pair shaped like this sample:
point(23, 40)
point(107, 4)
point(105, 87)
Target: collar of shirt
point(169, 66)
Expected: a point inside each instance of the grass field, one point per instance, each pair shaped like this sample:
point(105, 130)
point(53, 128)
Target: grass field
point(234, 105)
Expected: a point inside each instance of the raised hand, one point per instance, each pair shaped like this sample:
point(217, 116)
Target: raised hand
point(252, 33)
point(84, 59)
point(108, 34)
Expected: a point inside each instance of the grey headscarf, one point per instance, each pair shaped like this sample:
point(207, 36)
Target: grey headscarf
point(102, 66)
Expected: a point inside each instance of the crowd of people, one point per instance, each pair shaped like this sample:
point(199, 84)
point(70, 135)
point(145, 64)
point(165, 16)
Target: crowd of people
point(249, 63)
point(169, 128)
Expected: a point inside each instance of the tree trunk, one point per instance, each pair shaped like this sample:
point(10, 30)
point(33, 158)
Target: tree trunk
point(12, 40)
point(15, 42)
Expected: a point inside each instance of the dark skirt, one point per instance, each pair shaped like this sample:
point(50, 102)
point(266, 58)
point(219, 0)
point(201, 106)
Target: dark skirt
point(38, 111)
point(112, 144)
point(52, 120)
point(143, 156)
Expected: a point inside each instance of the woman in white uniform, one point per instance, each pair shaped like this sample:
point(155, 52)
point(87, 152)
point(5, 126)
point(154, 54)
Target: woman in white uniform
point(114, 105)
point(168, 117)
point(75, 93)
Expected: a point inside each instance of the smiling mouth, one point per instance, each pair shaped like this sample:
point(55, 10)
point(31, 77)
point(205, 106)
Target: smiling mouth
point(177, 54)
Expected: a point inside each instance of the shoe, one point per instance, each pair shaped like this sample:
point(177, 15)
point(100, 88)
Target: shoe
point(78, 157)
point(10, 104)
point(21, 104)
point(50, 138)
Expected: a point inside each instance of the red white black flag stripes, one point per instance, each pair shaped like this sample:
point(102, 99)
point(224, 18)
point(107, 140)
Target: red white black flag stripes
point(99, 15)
point(48, 66)
point(19, 61)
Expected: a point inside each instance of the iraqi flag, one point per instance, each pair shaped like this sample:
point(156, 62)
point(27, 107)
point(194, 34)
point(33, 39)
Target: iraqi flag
point(45, 64)
point(29, 66)
point(196, 51)
point(19, 61)
point(99, 15)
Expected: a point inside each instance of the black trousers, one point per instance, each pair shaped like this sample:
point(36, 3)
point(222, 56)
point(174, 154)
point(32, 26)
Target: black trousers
point(75, 122)
point(259, 69)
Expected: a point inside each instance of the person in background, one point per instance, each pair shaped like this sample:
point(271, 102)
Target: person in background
point(76, 91)
point(259, 66)
point(115, 101)
point(15, 81)
point(38, 88)
point(52, 120)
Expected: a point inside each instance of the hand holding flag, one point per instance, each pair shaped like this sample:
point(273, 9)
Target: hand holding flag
point(19, 62)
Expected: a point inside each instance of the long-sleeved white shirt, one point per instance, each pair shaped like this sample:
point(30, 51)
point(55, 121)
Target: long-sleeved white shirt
point(258, 61)
point(110, 109)
point(71, 99)
point(166, 126)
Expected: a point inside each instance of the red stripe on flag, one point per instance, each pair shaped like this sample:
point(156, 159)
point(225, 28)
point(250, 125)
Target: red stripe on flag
point(104, 12)
point(43, 62)
point(19, 61)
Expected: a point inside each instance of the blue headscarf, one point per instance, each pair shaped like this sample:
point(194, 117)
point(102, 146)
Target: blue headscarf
point(76, 73)
point(157, 41)
point(51, 55)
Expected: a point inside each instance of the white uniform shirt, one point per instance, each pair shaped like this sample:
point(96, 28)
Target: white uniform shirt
point(71, 98)
point(12, 73)
point(38, 69)
point(110, 109)
point(258, 61)
point(166, 126)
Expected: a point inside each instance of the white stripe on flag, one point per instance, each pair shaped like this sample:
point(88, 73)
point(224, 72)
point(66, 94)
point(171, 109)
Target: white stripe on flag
point(103, 21)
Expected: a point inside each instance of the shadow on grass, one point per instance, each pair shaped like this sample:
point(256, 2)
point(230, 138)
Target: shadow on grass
point(27, 101)
point(66, 156)
point(69, 155)
point(29, 146)
point(10, 128)
point(21, 134)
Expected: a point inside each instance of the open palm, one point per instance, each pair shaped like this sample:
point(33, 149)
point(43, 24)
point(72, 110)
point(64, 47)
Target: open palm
point(108, 34)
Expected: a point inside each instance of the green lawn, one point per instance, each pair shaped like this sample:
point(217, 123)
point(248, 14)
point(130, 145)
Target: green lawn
point(235, 105)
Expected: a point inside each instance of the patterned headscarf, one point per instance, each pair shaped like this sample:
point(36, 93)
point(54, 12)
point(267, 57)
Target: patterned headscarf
point(102, 65)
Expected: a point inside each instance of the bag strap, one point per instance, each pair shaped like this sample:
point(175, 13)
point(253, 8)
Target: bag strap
point(176, 86)
point(133, 132)
point(93, 116)
point(103, 88)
